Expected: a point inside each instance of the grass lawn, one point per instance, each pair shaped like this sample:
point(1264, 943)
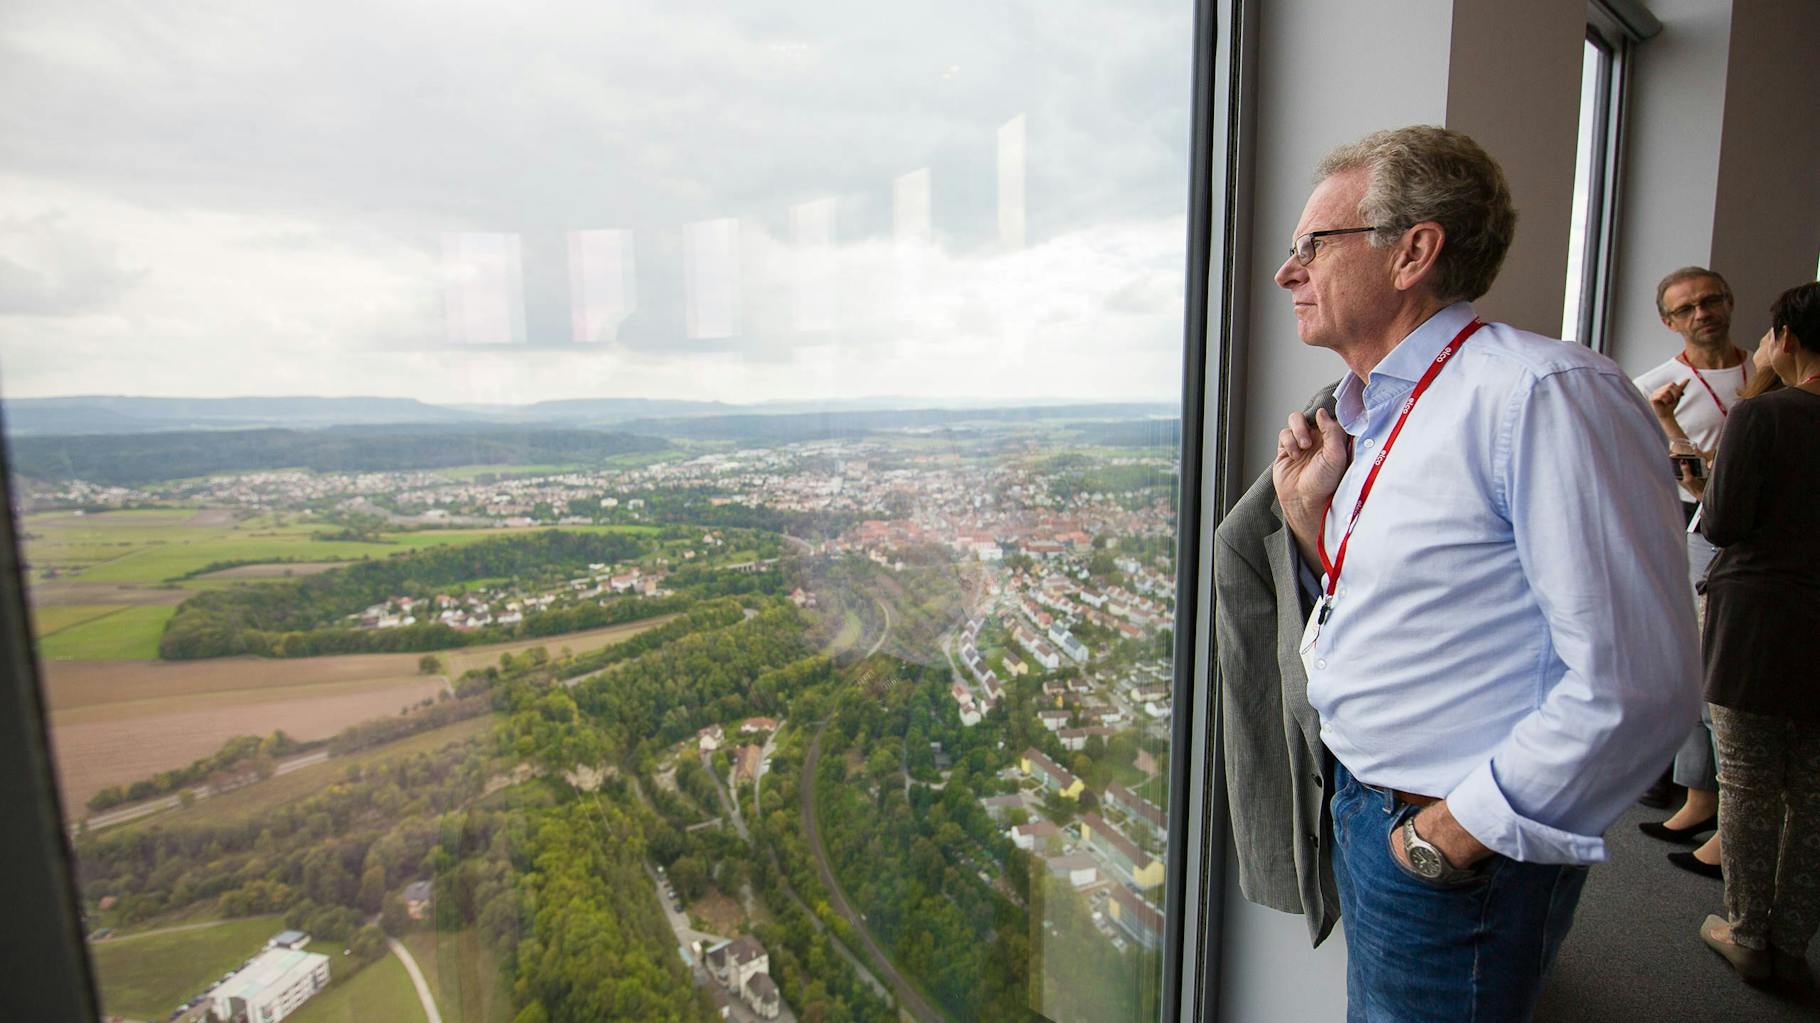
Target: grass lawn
point(146, 976)
point(1156, 789)
point(381, 991)
point(126, 634)
point(463, 973)
point(849, 634)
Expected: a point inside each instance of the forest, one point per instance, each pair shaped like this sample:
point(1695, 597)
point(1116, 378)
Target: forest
point(550, 875)
point(133, 459)
point(305, 617)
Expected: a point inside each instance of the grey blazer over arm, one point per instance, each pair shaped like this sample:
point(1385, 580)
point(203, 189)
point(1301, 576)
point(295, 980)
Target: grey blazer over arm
point(1276, 768)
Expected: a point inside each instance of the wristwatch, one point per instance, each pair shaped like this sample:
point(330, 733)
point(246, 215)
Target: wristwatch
point(1425, 859)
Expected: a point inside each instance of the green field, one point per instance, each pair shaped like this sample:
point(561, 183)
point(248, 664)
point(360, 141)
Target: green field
point(57, 617)
point(469, 472)
point(146, 976)
point(126, 634)
point(159, 545)
point(463, 973)
point(382, 991)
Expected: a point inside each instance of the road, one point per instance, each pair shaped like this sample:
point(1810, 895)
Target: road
point(884, 633)
point(908, 997)
point(731, 806)
point(163, 803)
point(417, 981)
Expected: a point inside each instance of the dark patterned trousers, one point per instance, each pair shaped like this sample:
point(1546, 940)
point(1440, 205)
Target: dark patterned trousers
point(1769, 827)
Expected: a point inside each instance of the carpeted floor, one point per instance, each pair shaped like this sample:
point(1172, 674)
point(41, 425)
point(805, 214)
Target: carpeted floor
point(1635, 952)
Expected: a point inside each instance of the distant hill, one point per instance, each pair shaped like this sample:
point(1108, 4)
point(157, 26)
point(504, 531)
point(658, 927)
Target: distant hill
point(593, 410)
point(128, 459)
point(115, 414)
point(825, 425)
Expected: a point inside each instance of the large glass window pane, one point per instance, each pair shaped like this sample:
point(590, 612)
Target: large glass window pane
point(603, 512)
point(1591, 152)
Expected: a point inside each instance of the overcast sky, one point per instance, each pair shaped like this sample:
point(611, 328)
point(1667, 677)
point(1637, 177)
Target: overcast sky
point(468, 202)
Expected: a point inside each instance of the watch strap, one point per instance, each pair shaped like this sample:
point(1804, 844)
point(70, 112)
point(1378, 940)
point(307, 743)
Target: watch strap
point(1412, 841)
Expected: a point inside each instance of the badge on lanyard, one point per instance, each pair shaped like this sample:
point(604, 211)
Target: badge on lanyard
point(1310, 633)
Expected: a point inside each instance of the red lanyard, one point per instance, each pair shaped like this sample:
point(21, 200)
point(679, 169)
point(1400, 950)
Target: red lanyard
point(1338, 563)
point(1723, 414)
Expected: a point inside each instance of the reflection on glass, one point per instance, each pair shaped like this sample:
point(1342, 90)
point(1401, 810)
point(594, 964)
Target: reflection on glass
point(603, 283)
point(483, 288)
point(793, 638)
point(1011, 183)
point(711, 277)
point(812, 227)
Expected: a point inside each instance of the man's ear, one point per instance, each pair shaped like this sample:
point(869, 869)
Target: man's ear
point(1416, 254)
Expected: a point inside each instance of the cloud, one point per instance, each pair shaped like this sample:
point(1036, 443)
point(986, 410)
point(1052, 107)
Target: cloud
point(48, 269)
point(243, 200)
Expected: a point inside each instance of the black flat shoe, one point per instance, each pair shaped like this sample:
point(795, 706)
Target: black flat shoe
point(1689, 862)
point(1679, 836)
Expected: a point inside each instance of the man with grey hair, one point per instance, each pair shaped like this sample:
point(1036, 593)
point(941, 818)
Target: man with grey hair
point(1700, 384)
point(1500, 641)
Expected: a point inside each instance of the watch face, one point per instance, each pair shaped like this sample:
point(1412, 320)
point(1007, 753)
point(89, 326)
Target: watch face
point(1426, 862)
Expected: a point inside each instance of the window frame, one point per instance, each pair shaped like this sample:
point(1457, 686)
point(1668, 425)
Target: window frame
point(43, 938)
point(1223, 133)
point(1614, 30)
point(1590, 328)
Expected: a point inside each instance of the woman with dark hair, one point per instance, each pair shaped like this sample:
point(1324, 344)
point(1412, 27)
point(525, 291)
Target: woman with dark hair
point(1696, 765)
point(1762, 614)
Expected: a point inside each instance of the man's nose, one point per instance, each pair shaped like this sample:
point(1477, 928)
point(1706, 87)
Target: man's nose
point(1290, 273)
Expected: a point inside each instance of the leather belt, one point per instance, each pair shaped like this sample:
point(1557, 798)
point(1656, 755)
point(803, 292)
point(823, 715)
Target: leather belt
point(1414, 798)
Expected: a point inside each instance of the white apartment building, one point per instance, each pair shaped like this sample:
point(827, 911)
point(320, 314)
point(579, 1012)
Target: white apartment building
point(272, 986)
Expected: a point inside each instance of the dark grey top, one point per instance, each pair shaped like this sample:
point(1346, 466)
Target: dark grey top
point(1763, 591)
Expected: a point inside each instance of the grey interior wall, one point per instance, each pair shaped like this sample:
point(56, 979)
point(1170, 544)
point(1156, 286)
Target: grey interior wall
point(1766, 218)
point(1269, 973)
point(1514, 85)
point(1329, 71)
point(1671, 170)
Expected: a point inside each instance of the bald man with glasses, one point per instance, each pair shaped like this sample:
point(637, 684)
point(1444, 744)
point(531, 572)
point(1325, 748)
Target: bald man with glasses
point(1700, 384)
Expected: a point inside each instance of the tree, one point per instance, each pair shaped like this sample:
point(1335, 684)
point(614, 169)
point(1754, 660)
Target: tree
point(394, 917)
point(690, 877)
point(372, 886)
point(429, 664)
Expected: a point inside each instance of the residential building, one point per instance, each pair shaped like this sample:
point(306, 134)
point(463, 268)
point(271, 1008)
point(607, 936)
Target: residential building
point(1053, 776)
point(1135, 916)
point(1121, 852)
point(1080, 869)
point(272, 986)
point(1028, 836)
point(1138, 809)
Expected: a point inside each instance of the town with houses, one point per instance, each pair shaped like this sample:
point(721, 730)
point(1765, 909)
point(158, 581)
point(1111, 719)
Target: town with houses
point(1071, 590)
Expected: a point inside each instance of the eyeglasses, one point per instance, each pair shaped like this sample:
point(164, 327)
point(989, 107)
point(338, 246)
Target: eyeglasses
point(1304, 249)
point(1706, 303)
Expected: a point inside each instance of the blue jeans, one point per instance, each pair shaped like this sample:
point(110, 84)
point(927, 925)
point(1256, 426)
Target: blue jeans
point(1470, 952)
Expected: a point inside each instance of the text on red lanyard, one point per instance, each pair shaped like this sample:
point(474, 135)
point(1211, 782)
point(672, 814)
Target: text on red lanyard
point(1337, 563)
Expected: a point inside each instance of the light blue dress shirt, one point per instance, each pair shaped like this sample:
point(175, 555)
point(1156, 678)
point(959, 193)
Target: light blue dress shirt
point(1513, 628)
